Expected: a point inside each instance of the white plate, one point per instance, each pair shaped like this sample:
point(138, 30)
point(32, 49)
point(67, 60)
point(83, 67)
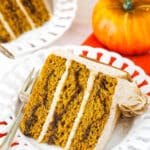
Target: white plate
point(63, 15)
point(129, 135)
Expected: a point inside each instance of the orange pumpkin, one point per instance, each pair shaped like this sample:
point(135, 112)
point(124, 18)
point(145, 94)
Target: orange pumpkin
point(123, 25)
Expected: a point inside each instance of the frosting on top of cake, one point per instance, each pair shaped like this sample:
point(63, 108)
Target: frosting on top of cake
point(84, 106)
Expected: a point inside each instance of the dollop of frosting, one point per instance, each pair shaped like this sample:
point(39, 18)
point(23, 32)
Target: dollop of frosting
point(134, 105)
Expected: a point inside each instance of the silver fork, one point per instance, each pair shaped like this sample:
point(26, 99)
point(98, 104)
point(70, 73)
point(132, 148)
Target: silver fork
point(22, 98)
point(6, 53)
point(51, 2)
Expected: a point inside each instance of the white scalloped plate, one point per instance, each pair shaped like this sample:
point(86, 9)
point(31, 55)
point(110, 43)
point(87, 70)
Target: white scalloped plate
point(63, 15)
point(128, 135)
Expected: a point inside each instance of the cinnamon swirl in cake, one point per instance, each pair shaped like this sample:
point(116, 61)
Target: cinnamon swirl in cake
point(19, 16)
point(76, 102)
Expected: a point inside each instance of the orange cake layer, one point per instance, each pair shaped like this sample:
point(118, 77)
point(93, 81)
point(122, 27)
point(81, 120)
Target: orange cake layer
point(76, 102)
point(96, 113)
point(36, 10)
point(68, 105)
point(4, 35)
point(14, 16)
point(20, 16)
point(40, 100)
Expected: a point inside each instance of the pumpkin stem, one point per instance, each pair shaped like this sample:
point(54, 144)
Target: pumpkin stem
point(127, 5)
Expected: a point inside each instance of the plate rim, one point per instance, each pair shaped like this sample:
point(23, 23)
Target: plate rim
point(80, 48)
point(23, 46)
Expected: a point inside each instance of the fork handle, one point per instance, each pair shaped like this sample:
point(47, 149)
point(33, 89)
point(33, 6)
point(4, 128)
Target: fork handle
point(5, 52)
point(10, 137)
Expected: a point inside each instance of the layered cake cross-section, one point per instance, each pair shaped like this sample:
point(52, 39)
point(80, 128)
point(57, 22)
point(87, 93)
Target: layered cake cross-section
point(75, 103)
point(19, 16)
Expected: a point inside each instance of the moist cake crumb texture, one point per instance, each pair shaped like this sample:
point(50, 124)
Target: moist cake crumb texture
point(95, 114)
point(4, 35)
point(41, 98)
point(14, 17)
point(68, 105)
point(73, 105)
point(21, 16)
point(36, 10)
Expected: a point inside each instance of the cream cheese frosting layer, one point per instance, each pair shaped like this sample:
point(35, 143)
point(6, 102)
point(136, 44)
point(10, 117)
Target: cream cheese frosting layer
point(54, 102)
point(132, 101)
point(20, 16)
point(84, 101)
point(26, 14)
point(7, 27)
point(126, 98)
point(99, 67)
